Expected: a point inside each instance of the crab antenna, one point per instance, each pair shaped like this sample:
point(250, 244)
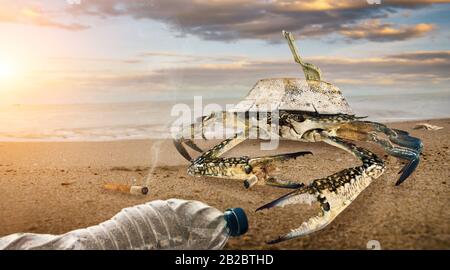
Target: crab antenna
point(311, 71)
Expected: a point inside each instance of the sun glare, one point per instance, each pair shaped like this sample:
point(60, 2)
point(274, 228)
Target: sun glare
point(7, 70)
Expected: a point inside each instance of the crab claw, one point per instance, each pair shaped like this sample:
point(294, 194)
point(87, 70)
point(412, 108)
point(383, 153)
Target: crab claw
point(304, 195)
point(405, 140)
point(399, 131)
point(283, 200)
point(410, 167)
point(182, 150)
point(409, 149)
point(333, 193)
point(409, 154)
point(281, 183)
point(262, 166)
point(192, 145)
point(398, 136)
point(407, 170)
point(313, 224)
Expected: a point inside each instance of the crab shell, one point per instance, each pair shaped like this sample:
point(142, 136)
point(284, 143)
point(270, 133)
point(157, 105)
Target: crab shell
point(294, 94)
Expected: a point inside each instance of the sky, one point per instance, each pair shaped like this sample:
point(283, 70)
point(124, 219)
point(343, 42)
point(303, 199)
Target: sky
point(95, 51)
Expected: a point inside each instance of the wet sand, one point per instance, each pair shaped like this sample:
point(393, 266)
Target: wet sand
point(54, 187)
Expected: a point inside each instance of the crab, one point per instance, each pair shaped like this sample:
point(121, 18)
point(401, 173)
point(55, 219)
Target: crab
point(307, 110)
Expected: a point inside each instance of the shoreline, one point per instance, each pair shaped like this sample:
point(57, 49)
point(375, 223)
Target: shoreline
point(64, 140)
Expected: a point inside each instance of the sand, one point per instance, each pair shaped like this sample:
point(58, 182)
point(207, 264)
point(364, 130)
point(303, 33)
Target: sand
point(54, 187)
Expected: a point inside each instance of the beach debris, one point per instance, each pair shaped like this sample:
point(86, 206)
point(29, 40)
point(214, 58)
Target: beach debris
point(138, 190)
point(427, 126)
point(304, 109)
point(129, 169)
point(121, 168)
point(172, 224)
point(67, 183)
point(125, 188)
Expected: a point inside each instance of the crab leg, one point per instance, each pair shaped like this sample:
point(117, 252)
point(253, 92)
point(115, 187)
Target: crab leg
point(398, 136)
point(409, 147)
point(194, 127)
point(197, 128)
point(250, 170)
point(223, 147)
point(334, 193)
point(281, 183)
point(401, 152)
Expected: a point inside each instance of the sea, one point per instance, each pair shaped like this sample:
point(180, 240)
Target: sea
point(153, 119)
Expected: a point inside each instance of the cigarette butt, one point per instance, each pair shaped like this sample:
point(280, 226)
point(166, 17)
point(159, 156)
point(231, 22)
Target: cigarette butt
point(138, 190)
point(135, 190)
point(251, 181)
point(118, 187)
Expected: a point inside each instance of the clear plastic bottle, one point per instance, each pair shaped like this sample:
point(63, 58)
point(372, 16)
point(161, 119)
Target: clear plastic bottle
point(171, 224)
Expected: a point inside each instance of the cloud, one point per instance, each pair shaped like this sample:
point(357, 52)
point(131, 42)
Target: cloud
point(189, 58)
point(431, 63)
point(414, 70)
point(434, 56)
point(256, 19)
point(25, 14)
point(401, 71)
point(104, 60)
point(424, 71)
point(374, 30)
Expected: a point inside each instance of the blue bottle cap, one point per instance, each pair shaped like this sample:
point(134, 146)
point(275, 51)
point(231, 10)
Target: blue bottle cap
point(237, 222)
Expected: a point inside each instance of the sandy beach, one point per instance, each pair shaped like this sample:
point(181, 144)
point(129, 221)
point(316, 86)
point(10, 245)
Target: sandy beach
point(54, 187)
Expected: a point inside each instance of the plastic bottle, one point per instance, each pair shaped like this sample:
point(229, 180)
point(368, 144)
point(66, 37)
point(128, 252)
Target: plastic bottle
point(171, 224)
